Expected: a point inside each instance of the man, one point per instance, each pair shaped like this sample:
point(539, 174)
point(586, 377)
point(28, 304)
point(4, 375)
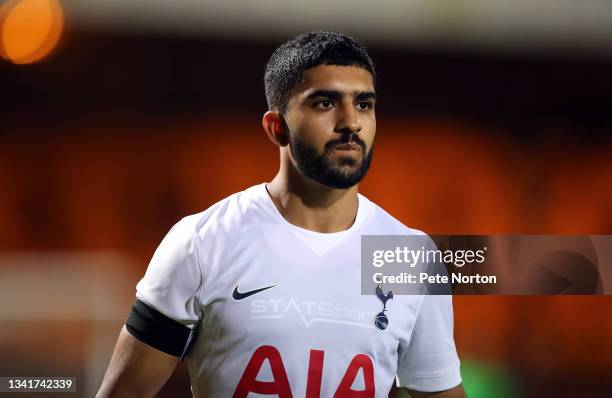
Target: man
point(261, 292)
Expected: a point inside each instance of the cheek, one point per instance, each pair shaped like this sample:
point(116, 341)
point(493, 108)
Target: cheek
point(369, 132)
point(315, 132)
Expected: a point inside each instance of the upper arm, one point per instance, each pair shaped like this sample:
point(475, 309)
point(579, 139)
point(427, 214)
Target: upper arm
point(173, 280)
point(136, 369)
point(429, 361)
point(163, 320)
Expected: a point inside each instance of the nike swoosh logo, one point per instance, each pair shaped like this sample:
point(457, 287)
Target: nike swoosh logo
point(236, 295)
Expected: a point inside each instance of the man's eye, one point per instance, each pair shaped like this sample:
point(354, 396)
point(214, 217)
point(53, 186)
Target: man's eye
point(364, 105)
point(325, 104)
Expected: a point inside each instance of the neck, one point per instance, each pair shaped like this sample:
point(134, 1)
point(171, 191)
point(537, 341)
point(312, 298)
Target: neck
point(310, 205)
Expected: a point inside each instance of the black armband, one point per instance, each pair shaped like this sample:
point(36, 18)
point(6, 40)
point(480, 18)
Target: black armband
point(157, 330)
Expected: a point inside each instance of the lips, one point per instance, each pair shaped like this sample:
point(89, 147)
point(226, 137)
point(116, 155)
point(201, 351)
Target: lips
point(347, 147)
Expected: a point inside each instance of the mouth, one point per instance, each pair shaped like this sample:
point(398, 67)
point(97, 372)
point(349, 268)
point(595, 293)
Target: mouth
point(347, 147)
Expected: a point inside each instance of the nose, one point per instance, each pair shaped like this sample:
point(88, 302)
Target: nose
point(348, 121)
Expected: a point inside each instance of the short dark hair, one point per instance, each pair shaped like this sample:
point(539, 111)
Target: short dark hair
point(287, 64)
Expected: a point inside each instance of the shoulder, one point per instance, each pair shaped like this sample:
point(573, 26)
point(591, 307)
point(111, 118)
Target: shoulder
point(236, 210)
point(177, 261)
point(384, 223)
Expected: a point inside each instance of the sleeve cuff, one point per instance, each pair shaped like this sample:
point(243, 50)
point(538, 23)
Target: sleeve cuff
point(432, 383)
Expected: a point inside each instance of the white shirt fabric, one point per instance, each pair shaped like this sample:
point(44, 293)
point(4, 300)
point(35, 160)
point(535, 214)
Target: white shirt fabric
point(314, 316)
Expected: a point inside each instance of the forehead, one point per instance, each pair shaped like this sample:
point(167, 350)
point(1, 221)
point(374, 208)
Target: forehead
point(344, 79)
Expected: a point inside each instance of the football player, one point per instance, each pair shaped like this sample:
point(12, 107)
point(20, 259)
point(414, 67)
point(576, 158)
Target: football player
point(260, 293)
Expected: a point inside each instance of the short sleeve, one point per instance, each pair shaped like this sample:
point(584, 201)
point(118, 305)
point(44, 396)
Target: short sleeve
point(430, 363)
point(173, 278)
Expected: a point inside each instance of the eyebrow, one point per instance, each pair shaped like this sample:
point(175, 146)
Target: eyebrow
point(366, 95)
point(332, 94)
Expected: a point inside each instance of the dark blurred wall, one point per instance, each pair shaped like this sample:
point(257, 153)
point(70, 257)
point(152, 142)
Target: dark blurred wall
point(112, 139)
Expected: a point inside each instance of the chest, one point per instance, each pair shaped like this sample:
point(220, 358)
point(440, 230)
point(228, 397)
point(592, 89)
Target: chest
point(265, 288)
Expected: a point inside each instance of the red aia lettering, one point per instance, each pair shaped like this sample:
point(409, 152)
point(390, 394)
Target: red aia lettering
point(360, 361)
point(248, 382)
point(315, 374)
point(280, 385)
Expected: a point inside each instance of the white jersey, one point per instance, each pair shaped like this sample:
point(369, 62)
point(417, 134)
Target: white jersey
point(280, 312)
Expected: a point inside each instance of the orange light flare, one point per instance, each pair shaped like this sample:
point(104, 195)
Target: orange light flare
point(29, 29)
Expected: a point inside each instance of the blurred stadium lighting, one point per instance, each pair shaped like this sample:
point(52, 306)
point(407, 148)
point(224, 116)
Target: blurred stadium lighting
point(486, 25)
point(29, 29)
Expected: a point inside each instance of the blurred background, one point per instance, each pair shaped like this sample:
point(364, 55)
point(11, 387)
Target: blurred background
point(118, 118)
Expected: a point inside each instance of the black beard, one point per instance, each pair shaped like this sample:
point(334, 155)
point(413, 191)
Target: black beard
point(319, 169)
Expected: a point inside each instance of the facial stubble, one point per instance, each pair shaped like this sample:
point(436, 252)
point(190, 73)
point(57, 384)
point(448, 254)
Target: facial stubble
point(319, 167)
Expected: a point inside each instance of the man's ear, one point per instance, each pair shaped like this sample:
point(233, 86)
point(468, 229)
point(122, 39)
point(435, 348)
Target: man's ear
point(274, 126)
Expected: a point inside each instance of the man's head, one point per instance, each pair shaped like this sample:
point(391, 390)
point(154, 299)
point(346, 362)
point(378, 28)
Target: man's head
point(321, 95)
point(290, 60)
